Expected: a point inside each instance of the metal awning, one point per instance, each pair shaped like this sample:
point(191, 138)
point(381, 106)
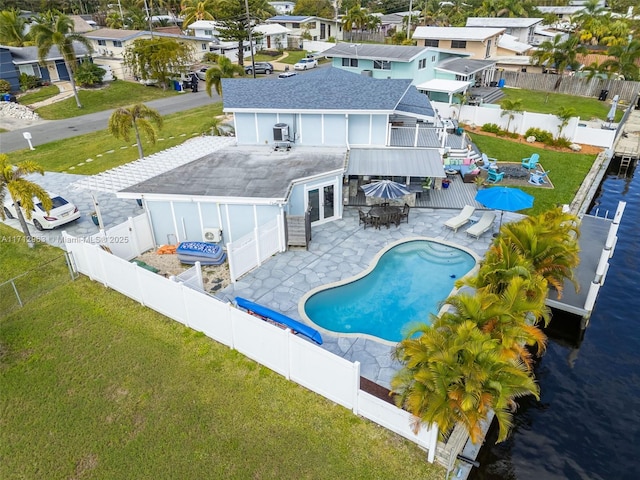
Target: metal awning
point(445, 86)
point(398, 162)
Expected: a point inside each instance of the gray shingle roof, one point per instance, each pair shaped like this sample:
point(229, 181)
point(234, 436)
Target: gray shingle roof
point(24, 55)
point(324, 89)
point(397, 53)
point(465, 65)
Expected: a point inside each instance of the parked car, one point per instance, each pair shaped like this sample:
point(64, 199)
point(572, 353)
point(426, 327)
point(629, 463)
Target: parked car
point(305, 63)
point(261, 67)
point(287, 74)
point(62, 211)
point(202, 73)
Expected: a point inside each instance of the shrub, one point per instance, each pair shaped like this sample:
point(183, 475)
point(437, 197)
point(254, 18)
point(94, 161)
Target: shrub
point(5, 87)
point(561, 142)
point(89, 74)
point(211, 57)
point(491, 128)
point(541, 135)
point(27, 82)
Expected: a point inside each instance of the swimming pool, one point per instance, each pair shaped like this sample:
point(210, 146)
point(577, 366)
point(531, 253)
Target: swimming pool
point(404, 284)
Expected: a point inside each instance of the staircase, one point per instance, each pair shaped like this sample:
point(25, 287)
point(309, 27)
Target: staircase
point(493, 97)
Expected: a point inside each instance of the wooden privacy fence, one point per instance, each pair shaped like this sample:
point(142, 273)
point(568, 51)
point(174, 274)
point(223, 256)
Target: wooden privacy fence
point(290, 355)
point(581, 87)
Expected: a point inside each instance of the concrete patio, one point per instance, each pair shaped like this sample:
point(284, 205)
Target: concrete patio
point(340, 250)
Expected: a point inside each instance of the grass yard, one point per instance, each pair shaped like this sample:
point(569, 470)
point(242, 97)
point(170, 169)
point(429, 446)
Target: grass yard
point(38, 95)
point(61, 155)
point(94, 385)
point(567, 170)
point(546, 102)
point(113, 95)
point(294, 56)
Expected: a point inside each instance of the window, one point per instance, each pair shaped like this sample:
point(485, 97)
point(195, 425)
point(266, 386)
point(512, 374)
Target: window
point(204, 46)
point(209, 32)
point(422, 64)
point(102, 43)
point(382, 65)
point(30, 69)
point(117, 43)
point(323, 31)
point(431, 42)
point(295, 25)
point(458, 44)
point(349, 62)
point(433, 59)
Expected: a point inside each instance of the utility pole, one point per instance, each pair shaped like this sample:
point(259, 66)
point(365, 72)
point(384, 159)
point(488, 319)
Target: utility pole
point(249, 26)
point(146, 9)
point(409, 20)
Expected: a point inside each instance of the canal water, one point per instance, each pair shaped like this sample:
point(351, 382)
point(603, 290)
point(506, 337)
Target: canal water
point(587, 422)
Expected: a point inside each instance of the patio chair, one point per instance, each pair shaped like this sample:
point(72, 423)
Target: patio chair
point(538, 178)
point(364, 219)
point(404, 215)
point(494, 177)
point(454, 223)
point(488, 162)
point(531, 162)
point(484, 224)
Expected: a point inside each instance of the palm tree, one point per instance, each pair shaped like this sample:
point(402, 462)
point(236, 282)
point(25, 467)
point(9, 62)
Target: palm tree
point(511, 108)
point(224, 69)
point(60, 33)
point(13, 28)
point(457, 375)
point(138, 117)
point(356, 18)
point(625, 60)
point(194, 10)
point(564, 115)
point(22, 191)
point(559, 54)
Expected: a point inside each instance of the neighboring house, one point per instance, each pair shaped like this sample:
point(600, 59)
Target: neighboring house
point(513, 55)
point(479, 42)
point(315, 27)
point(110, 44)
point(209, 29)
point(17, 60)
point(456, 75)
point(295, 150)
point(390, 61)
point(270, 36)
point(283, 8)
point(522, 29)
point(562, 12)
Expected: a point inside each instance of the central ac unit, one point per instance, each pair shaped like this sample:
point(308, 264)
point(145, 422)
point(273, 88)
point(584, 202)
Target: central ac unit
point(212, 235)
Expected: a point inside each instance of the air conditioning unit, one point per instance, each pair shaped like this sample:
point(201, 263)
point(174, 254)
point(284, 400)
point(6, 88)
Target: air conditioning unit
point(212, 235)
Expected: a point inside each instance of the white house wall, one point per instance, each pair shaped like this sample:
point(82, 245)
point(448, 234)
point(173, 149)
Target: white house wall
point(311, 131)
point(335, 130)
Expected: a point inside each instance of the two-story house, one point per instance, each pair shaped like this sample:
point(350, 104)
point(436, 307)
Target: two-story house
point(109, 46)
point(297, 149)
point(523, 29)
point(315, 28)
point(478, 42)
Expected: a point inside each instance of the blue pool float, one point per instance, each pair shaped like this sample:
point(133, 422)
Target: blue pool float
point(205, 253)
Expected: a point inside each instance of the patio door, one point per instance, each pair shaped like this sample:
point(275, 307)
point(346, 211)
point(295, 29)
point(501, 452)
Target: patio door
point(321, 203)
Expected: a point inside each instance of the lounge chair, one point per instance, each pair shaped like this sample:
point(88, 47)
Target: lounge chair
point(531, 162)
point(494, 177)
point(538, 178)
point(488, 162)
point(483, 225)
point(454, 223)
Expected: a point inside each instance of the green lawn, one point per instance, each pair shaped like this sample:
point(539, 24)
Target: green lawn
point(94, 385)
point(545, 102)
point(37, 96)
point(61, 155)
point(294, 56)
point(567, 170)
point(115, 94)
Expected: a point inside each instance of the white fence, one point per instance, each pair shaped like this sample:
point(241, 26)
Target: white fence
point(480, 115)
point(250, 251)
point(129, 239)
point(289, 355)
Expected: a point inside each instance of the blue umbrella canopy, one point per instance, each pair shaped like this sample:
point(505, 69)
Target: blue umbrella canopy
point(504, 199)
point(385, 189)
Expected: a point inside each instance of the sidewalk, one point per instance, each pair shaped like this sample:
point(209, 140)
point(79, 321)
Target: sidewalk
point(65, 92)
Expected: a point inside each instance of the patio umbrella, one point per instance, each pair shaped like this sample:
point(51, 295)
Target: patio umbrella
point(612, 111)
point(504, 199)
point(385, 189)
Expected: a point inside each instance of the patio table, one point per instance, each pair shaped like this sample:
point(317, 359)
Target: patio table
point(385, 215)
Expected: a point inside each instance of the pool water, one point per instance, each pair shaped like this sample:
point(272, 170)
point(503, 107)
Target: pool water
point(408, 282)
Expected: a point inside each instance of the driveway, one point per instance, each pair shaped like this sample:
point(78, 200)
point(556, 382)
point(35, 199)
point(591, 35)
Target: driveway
point(114, 210)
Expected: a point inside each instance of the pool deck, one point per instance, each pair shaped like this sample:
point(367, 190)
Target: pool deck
point(339, 250)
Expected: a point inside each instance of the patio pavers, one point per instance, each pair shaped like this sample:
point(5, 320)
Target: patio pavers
point(340, 250)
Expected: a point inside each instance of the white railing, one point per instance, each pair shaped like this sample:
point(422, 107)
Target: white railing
point(250, 251)
point(283, 352)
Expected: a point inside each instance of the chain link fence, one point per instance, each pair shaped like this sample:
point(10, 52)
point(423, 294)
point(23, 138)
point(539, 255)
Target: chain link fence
point(32, 284)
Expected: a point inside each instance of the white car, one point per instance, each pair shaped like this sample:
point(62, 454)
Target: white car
point(61, 212)
point(306, 63)
point(202, 73)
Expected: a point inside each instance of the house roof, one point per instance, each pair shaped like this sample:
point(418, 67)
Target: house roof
point(80, 25)
point(203, 24)
point(464, 66)
point(247, 172)
point(442, 85)
point(25, 55)
point(324, 89)
point(397, 53)
point(271, 29)
point(124, 35)
point(509, 42)
point(562, 10)
point(395, 162)
point(502, 22)
point(456, 33)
